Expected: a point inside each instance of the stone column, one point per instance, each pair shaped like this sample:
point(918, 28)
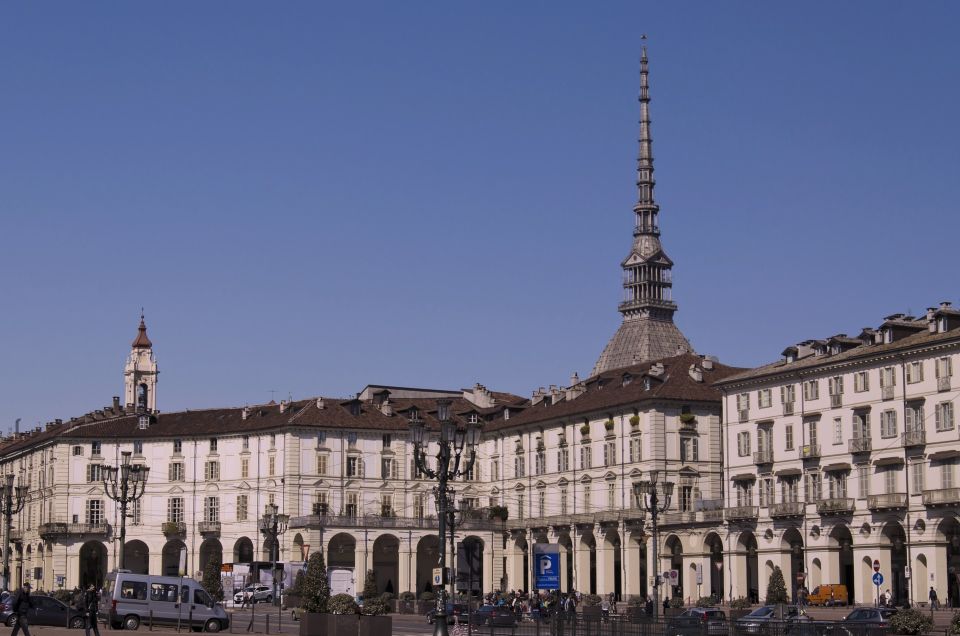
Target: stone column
point(604, 562)
point(488, 556)
point(405, 575)
point(581, 562)
point(630, 562)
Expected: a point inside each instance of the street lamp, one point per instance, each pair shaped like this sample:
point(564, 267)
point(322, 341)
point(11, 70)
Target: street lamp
point(124, 485)
point(12, 503)
point(452, 444)
point(273, 525)
point(649, 497)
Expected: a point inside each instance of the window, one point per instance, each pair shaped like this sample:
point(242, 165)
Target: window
point(764, 398)
point(744, 493)
point(812, 433)
point(271, 465)
point(520, 506)
point(863, 478)
point(610, 454)
point(946, 474)
point(913, 417)
point(177, 446)
point(861, 425)
point(888, 377)
point(743, 443)
point(495, 470)
point(352, 506)
point(788, 435)
point(78, 451)
point(814, 482)
point(944, 367)
point(386, 505)
point(788, 489)
point(134, 589)
point(138, 447)
point(563, 501)
point(175, 472)
point(917, 470)
point(585, 463)
point(587, 503)
point(244, 467)
point(94, 448)
point(914, 372)
point(389, 468)
point(563, 459)
point(944, 416)
point(354, 466)
point(94, 512)
point(245, 445)
point(387, 440)
point(689, 449)
point(743, 402)
point(321, 503)
point(788, 394)
point(211, 509)
point(766, 491)
point(635, 455)
point(835, 385)
point(890, 479)
point(94, 473)
point(542, 503)
point(213, 444)
point(611, 495)
point(519, 466)
point(888, 424)
point(541, 462)
point(211, 471)
point(861, 381)
point(836, 485)
point(837, 430)
point(175, 509)
point(811, 390)
point(242, 507)
point(419, 506)
point(322, 459)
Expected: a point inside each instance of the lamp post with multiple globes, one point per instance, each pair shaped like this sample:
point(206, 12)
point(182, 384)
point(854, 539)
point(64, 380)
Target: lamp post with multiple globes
point(452, 443)
point(12, 503)
point(124, 484)
point(655, 499)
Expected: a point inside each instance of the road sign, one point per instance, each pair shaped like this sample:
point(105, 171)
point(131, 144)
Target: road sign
point(674, 576)
point(878, 579)
point(801, 577)
point(876, 565)
point(906, 572)
point(699, 575)
point(546, 563)
point(438, 577)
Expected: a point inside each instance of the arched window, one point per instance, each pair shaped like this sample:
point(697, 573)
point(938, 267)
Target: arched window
point(142, 396)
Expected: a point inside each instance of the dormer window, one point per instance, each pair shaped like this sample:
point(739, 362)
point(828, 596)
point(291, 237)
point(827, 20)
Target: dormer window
point(213, 444)
point(414, 414)
point(647, 384)
point(790, 358)
point(473, 418)
point(626, 379)
point(355, 408)
point(942, 324)
point(887, 335)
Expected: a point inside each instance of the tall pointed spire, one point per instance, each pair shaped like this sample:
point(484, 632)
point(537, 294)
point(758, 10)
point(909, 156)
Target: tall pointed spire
point(142, 341)
point(647, 331)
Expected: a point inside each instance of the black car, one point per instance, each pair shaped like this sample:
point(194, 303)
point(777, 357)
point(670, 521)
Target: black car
point(46, 610)
point(456, 612)
point(697, 621)
point(493, 615)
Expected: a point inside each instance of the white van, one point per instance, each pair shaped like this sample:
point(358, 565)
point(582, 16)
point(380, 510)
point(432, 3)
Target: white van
point(131, 599)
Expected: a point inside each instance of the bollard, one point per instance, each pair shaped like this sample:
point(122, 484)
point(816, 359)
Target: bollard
point(268, 623)
point(190, 620)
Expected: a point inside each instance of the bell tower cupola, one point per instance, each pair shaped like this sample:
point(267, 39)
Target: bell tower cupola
point(140, 373)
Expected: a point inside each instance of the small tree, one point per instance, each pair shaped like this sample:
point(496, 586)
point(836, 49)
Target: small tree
point(211, 578)
point(776, 588)
point(370, 586)
point(316, 587)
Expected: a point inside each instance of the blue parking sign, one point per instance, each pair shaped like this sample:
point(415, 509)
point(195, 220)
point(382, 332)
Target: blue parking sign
point(546, 566)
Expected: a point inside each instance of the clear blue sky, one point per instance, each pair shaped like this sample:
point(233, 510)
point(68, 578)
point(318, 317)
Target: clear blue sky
point(310, 197)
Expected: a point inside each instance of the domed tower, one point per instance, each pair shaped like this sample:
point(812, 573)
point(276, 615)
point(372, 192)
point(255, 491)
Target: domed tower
point(647, 331)
point(140, 373)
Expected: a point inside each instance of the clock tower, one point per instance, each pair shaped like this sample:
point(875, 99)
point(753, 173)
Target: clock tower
point(647, 331)
point(140, 373)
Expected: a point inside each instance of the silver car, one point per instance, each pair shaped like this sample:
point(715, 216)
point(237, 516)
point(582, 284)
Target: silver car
point(255, 594)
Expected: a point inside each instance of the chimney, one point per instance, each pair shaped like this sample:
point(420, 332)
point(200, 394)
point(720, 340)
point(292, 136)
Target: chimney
point(284, 405)
point(116, 403)
point(387, 408)
point(320, 405)
point(707, 363)
point(945, 304)
point(244, 413)
point(574, 379)
point(696, 373)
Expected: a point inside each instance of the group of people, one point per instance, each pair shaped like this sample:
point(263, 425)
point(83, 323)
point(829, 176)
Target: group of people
point(88, 602)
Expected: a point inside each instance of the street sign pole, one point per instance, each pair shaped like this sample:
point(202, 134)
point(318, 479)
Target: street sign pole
point(877, 580)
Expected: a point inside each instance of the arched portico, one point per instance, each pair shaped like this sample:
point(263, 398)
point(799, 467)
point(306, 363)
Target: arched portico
point(243, 550)
point(792, 545)
point(93, 564)
point(713, 564)
point(170, 557)
point(136, 557)
point(428, 554)
point(210, 548)
point(470, 566)
point(386, 563)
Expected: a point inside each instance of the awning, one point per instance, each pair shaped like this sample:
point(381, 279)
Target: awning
point(787, 472)
point(743, 477)
point(944, 454)
point(838, 466)
point(887, 461)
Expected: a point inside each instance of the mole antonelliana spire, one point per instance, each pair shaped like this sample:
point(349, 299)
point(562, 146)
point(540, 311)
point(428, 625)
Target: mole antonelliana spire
point(647, 331)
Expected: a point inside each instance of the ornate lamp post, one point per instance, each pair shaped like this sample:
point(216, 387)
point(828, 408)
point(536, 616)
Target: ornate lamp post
point(12, 503)
point(273, 525)
point(124, 485)
point(452, 444)
point(655, 501)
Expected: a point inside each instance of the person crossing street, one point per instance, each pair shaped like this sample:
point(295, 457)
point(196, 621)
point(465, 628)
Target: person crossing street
point(20, 606)
point(91, 606)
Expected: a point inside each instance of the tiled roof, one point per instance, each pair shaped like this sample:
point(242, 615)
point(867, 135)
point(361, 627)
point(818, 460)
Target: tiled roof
point(861, 352)
point(607, 391)
point(142, 341)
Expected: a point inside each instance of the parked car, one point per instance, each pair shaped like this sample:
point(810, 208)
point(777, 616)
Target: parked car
point(697, 621)
point(258, 593)
point(46, 610)
point(456, 612)
point(495, 616)
point(129, 599)
point(765, 620)
point(829, 594)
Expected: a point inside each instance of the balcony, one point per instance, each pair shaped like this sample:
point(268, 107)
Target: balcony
point(403, 523)
point(788, 408)
point(859, 445)
point(763, 457)
point(678, 518)
point(888, 501)
point(886, 392)
point(16, 535)
point(787, 509)
point(836, 400)
point(209, 527)
point(174, 528)
point(810, 451)
point(914, 438)
point(741, 513)
point(943, 384)
point(837, 506)
point(745, 415)
point(941, 497)
point(50, 531)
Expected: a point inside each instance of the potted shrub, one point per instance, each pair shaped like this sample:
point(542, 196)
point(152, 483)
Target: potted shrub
point(688, 418)
point(608, 425)
point(585, 430)
point(591, 607)
point(636, 609)
point(427, 602)
point(676, 606)
point(634, 421)
point(739, 607)
point(910, 621)
point(373, 616)
point(706, 601)
point(315, 590)
point(407, 603)
point(344, 616)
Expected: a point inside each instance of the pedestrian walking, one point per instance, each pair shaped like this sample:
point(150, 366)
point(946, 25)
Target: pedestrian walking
point(20, 606)
point(934, 603)
point(91, 607)
point(245, 599)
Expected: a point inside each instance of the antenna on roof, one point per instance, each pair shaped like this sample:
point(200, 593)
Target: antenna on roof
point(271, 392)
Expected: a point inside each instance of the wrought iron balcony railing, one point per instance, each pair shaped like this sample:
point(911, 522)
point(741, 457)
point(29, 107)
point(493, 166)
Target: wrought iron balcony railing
point(835, 506)
point(787, 509)
point(941, 497)
point(887, 501)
